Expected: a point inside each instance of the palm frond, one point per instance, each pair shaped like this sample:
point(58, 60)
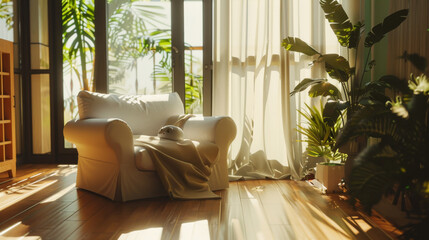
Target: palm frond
point(389, 23)
point(340, 23)
point(297, 45)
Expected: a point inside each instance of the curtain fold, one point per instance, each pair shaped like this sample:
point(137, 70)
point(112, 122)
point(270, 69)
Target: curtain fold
point(253, 76)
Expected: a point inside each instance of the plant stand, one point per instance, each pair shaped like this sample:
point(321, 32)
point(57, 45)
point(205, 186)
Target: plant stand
point(330, 175)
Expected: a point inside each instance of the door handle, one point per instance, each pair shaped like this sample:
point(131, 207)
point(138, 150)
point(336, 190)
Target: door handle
point(176, 51)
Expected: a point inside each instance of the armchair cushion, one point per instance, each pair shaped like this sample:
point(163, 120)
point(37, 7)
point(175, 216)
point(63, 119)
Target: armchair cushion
point(145, 114)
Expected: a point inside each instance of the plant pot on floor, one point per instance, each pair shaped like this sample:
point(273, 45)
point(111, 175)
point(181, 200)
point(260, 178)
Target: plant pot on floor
point(330, 174)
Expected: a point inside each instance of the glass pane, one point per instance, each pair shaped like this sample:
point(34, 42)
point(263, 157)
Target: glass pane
point(39, 34)
point(78, 53)
point(139, 41)
point(9, 25)
point(41, 113)
point(193, 12)
point(6, 20)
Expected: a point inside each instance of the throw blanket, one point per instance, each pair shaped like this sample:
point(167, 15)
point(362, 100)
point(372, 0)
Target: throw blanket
point(184, 167)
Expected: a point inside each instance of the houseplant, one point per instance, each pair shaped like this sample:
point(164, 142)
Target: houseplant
point(400, 159)
point(338, 67)
point(355, 93)
point(320, 138)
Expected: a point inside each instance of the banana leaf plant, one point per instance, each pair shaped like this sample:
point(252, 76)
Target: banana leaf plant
point(400, 159)
point(338, 67)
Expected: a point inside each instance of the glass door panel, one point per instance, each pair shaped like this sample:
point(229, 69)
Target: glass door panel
point(78, 39)
point(139, 47)
point(193, 37)
point(41, 113)
point(39, 36)
point(40, 77)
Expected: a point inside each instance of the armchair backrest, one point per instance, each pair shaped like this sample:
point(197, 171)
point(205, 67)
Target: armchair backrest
point(145, 114)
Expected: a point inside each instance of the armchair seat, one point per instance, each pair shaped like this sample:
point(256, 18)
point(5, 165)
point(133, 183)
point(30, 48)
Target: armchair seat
point(108, 162)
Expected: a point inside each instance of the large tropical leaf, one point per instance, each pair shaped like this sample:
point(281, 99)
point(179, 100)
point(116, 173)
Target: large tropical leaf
point(305, 83)
point(297, 45)
point(391, 82)
point(333, 109)
point(324, 89)
point(355, 35)
point(337, 67)
point(389, 23)
point(368, 182)
point(375, 121)
point(340, 22)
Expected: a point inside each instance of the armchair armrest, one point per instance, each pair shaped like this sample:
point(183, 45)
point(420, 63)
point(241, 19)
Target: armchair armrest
point(107, 140)
point(220, 129)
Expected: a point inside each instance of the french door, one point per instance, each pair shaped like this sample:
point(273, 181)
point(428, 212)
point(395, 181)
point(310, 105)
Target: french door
point(133, 47)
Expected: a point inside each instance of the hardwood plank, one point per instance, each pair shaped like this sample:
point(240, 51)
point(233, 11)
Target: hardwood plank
point(209, 211)
point(231, 216)
point(233, 226)
point(248, 189)
point(156, 217)
point(187, 220)
point(255, 221)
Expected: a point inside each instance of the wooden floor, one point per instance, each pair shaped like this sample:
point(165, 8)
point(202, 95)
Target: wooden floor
point(42, 202)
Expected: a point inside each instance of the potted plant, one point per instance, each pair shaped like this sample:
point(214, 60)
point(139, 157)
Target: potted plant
point(320, 138)
point(400, 159)
point(355, 91)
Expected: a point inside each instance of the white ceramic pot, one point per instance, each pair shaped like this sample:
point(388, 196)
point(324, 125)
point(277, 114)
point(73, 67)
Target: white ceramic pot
point(330, 175)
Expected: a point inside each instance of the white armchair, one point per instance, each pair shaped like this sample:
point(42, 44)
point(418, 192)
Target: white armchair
point(109, 164)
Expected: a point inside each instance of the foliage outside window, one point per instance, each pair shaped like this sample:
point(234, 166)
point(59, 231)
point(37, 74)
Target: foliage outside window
point(139, 36)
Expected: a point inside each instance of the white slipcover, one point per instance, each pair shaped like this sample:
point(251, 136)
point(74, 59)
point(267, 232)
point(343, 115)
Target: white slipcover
point(109, 164)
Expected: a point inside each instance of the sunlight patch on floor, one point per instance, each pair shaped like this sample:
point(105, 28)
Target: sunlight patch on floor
point(149, 233)
point(23, 193)
point(237, 230)
point(198, 230)
point(59, 194)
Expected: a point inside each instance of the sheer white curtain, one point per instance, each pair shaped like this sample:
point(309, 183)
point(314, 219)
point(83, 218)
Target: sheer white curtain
point(253, 76)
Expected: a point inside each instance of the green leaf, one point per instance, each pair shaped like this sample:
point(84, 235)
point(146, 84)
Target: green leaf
point(340, 22)
point(297, 45)
point(305, 83)
point(389, 23)
point(333, 109)
point(355, 35)
point(337, 67)
point(392, 82)
point(324, 89)
point(368, 183)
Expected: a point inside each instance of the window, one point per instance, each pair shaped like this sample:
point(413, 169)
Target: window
point(152, 47)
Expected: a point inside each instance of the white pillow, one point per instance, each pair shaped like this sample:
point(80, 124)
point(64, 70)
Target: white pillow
point(145, 114)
